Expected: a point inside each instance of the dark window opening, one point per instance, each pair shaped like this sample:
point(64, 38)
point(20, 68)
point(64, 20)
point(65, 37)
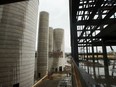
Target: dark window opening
point(39, 75)
point(16, 85)
point(60, 68)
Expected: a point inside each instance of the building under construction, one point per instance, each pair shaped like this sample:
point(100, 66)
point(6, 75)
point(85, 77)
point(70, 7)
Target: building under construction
point(93, 32)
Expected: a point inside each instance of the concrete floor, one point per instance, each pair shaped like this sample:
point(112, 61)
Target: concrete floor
point(52, 82)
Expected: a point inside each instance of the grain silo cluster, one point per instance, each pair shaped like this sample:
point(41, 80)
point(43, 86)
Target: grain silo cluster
point(32, 50)
point(50, 47)
point(19, 67)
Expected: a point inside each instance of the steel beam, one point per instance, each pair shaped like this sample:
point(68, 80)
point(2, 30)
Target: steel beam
point(95, 9)
point(10, 1)
point(95, 22)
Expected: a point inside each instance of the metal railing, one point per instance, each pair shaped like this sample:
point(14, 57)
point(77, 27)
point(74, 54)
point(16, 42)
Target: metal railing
point(83, 79)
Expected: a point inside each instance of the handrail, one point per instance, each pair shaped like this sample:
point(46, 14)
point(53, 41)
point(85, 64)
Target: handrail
point(78, 76)
point(40, 81)
point(85, 79)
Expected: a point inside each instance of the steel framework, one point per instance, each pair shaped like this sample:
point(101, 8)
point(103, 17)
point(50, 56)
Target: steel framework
point(92, 26)
point(10, 1)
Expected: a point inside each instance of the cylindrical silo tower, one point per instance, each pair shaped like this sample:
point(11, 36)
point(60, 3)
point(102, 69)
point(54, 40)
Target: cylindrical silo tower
point(18, 25)
point(50, 59)
point(43, 39)
point(50, 39)
point(58, 46)
point(58, 41)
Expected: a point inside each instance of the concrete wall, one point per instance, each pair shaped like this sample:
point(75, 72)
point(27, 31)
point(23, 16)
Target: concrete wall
point(18, 24)
point(43, 39)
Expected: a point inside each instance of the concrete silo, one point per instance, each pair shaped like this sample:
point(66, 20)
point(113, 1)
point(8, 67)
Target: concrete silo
point(18, 25)
point(50, 39)
point(58, 47)
point(43, 39)
point(50, 59)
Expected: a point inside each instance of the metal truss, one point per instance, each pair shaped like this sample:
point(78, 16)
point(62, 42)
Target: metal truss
point(10, 1)
point(93, 25)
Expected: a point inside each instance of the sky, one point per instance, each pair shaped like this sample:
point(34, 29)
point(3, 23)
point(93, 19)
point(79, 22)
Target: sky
point(58, 17)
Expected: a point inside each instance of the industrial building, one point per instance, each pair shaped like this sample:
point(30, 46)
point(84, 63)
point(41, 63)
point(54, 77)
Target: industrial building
point(58, 53)
point(18, 27)
point(43, 45)
point(93, 34)
point(19, 66)
point(50, 53)
point(50, 48)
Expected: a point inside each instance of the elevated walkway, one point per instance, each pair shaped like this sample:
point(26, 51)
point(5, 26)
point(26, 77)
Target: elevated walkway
point(55, 80)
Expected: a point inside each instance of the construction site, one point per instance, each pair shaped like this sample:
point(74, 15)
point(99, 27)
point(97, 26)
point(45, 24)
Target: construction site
point(91, 63)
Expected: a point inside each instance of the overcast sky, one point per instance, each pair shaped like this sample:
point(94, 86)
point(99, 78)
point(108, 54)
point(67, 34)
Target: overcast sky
point(58, 16)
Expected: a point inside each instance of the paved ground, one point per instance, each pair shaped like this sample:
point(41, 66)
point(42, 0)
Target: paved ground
point(52, 82)
point(65, 82)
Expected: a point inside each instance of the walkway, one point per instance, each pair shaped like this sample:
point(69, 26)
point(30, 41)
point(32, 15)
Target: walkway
point(52, 82)
point(56, 80)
